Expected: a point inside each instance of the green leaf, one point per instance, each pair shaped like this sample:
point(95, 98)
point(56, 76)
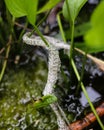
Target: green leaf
point(49, 5)
point(95, 36)
point(71, 8)
point(45, 101)
point(19, 8)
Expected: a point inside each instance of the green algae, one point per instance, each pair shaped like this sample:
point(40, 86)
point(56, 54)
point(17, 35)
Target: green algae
point(18, 90)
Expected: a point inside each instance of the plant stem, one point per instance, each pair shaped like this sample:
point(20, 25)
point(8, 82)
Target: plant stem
point(78, 76)
point(41, 21)
point(76, 71)
point(72, 40)
point(5, 62)
point(40, 34)
point(60, 26)
point(82, 73)
point(86, 95)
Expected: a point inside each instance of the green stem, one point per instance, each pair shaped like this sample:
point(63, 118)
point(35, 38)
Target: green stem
point(82, 73)
point(5, 62)
point(60, 26)
point(76, 71)
point(41, 21)
point(40, 34)
point(86, 95)
point(10, 21)
point(72, 40)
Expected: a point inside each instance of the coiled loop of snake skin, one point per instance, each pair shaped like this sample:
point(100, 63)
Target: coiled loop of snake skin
point(54, 59)
point(53, 68)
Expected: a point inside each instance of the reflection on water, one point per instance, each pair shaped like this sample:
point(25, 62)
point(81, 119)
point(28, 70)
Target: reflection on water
point(93, 95)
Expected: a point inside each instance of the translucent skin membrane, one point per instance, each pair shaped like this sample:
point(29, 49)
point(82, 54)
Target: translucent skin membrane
point(53, 68)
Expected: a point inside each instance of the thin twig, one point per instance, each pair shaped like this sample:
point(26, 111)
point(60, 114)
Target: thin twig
point(22, 26)
point(97, 61)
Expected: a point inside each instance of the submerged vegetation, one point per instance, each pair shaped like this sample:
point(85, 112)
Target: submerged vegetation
point(24, 72)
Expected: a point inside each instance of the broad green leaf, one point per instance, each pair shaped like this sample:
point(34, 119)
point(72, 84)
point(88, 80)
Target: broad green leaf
point(19, 8)
point(49, 5)
point(45, 101)
point(31, 8)
point(71, 10)
point(16, 7)
point(95, 36)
